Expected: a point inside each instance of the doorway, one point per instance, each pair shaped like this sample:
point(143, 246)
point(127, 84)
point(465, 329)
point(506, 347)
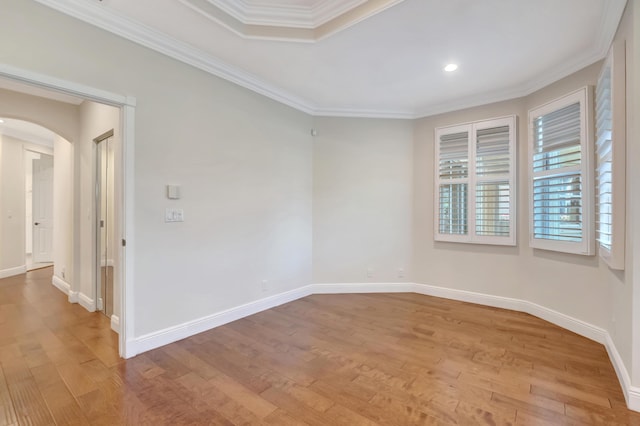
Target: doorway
point(104, 220)
point(80, 289)
point(38, 209)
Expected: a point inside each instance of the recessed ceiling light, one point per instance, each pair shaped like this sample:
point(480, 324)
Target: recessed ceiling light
point(451, 67)
point(1, 121)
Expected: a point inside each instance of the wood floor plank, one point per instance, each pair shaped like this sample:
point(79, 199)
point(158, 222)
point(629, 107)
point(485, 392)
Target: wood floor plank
point(340, 359)
point(7, 410)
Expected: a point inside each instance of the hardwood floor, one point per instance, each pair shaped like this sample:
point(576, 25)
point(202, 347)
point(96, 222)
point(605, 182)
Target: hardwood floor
point(357, 359)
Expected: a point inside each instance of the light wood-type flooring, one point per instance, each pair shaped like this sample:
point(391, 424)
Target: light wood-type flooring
point(357, 359)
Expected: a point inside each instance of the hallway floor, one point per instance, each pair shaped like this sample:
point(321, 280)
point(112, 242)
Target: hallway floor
point(55, 356)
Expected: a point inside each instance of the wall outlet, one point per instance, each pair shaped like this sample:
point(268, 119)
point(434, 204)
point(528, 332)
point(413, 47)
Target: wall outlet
point(62, 272)
point(400, 272)
point(264, 285)
point(369, 272)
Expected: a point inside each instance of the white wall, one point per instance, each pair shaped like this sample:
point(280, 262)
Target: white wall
point(244, 166)
point(12, 203)
point(63, 209)
point(362, 200)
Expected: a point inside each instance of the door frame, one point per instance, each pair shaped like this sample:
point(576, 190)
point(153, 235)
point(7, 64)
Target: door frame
point(124, 169)
point(97, 219)
point(33, 209)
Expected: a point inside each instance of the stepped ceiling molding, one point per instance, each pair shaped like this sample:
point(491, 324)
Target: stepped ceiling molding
point(291, 20)
point(369, 58)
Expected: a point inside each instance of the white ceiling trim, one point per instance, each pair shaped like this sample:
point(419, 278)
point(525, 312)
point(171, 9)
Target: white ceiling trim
point(275, 16)
point(160, 42)
point(325, 11)
point(280, 15)
point(285, 28)
point(101, 17)
point(363, 113)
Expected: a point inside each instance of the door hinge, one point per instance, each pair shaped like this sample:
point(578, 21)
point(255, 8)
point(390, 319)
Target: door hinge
point(124, 242)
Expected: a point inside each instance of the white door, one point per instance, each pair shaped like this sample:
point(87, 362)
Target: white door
point(43, 209)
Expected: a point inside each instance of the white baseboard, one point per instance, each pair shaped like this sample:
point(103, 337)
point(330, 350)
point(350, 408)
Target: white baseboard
point(580, 327)
point(565, 321)
point(190, 328)
point(61, 285)
point(337, 288)
point(10, 272)
point(631, 393)
point(115, 323)
point(86, 302)
point(633, 400)
point(173, 334)
point(74, 296)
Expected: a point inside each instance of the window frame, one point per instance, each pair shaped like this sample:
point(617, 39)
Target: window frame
point(614, 256)
point(586, 246)
point(472, 179)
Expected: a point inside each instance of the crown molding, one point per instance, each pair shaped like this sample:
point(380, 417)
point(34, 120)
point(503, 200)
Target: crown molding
point(364, 113)
point(326, 11)
point(273, 16)
point(101, 17)
point(283, 15)
point(139, 33)
point(279, 23)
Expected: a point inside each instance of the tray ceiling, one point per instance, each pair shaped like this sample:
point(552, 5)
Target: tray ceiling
point(386, 63)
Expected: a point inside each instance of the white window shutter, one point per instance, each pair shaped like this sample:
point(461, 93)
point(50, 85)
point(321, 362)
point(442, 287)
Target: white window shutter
point(610, 158)
point(560, 176)
point(452, 154)
point(475, 182)
point(494, 164)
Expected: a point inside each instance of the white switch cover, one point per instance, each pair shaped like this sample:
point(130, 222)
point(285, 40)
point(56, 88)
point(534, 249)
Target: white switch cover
point(174, 215)
point(173, 192)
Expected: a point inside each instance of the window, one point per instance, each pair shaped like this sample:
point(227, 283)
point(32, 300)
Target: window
point(560, 175)
point(610, 158)
point(475, 182)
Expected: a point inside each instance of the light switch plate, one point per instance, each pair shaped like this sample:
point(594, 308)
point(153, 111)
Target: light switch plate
point(173, 192)
point(174, 215)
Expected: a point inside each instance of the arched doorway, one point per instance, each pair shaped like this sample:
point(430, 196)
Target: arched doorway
point(29, 237)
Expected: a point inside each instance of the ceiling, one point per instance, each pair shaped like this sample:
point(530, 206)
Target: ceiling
point(377, 58)
point(27, 131)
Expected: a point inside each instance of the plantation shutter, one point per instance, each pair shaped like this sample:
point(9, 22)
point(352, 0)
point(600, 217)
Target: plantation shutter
point(453, 171)
point(604, 216)
point(493, 187)
point(560, 176)
point(557, 186)
point(611, 157)
point(475, 182)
